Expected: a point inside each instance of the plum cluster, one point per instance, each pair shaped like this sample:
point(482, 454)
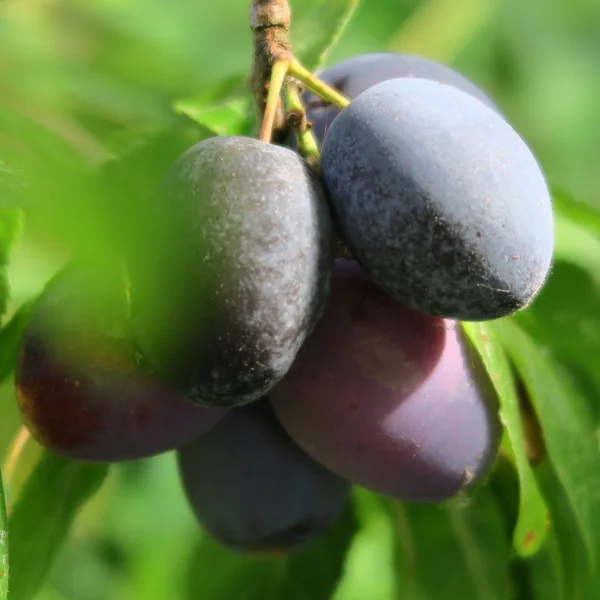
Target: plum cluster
point(280, 374)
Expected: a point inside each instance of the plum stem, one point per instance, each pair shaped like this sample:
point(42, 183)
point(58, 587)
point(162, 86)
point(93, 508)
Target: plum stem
point(316, 86)
point(307, 144)
point(15, 451)
point(270, 23)
point(278, 74)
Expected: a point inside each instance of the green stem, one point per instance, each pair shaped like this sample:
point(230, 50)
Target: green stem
point(316, 86)
point(307, 144)
point(278, 74)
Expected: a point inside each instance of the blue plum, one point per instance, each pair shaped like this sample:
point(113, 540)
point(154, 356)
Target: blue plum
point(357, 74)
point(79, 389)
point(233, 269)
point(391, 399)
point(253, 489)
point(440, 200)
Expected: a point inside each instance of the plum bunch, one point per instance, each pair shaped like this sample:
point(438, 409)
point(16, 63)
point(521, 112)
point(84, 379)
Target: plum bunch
point(279, 373)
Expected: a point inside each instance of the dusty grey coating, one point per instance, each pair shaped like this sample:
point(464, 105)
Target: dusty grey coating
point(234, 270)
point(356, 74)
point(253, 489)
point(440, 200)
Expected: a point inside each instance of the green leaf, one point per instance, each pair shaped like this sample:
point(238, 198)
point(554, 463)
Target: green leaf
point(456, 550)
point(216, 573)
point(3, 545)
point(565, 317)
point(225, 107)
point(373, 550)
point(530, 529)
point(42, 517)
point(582, 213)
point(10, 338)
point(11, 223)
point(232, 117)
point(317, 26)
point(567, 553)
point(546, 577)
point(577, 233)
point(568, 426)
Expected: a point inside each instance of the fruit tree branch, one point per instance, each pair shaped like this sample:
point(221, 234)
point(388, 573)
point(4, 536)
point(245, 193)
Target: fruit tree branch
point(270, 22)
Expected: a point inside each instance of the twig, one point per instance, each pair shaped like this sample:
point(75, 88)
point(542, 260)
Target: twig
point(296, 119)
point(316, 86)
point(278, 74)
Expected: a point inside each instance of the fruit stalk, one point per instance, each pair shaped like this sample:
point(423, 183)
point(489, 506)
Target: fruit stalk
point(278, 73)
point(316, 86)
point(270, 22)
point(307, 144)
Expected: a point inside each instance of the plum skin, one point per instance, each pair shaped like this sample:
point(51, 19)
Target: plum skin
point(234, 261)
point(388, 398)
point(357, 74)
point(440, 200)
point(253, 489)
point(79, 390)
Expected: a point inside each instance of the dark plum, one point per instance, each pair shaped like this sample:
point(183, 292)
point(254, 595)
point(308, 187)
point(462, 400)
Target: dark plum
point(355, 75)
point(253, 489)
point(388, 398)
point(234, 269)
point(80, 392)
point(440, 200)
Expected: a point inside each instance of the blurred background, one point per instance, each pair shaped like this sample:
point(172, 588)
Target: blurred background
point(94, 79)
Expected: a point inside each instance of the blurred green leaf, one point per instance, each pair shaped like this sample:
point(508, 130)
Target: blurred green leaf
point(373, 550)
point(317, 26)
point(545, 574)
point(10, 338)
point(233, 117)
point(565, 318)
point(312, 573)
point(563, 568)
point(42, 517)
point(568, 426)
point(4, 560)
point(456, 550)
point(530, 529)
point(581, 213)
point(11, 223)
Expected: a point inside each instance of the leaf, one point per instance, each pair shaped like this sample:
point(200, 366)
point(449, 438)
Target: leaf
point(582, 213)
point(10, 338)
point(568, 426)
point(3, 546)
point(42, 517)
point(317, 26)
point(530, 529)
point(565, 317)
point(11, 223)
point(456, 550)
point(225, 107)
point(577, 233)
point(216, 573)
point(232, 117)
point(567, 553)
point(373, 550)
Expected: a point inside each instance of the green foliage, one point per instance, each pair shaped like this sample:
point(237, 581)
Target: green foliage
point(4, 565)
point(97, 99)
point(531, 526)
point(42, 516)
point(216, 573)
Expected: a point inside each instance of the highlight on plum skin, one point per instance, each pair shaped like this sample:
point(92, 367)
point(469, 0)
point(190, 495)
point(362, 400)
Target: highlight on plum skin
point(389, 398)
point(78, 387)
